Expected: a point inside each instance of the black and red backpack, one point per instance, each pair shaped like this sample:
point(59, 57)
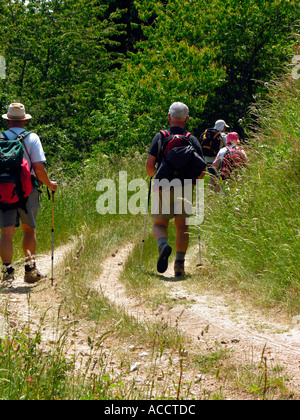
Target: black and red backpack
point(178, 158)
point(15, 174)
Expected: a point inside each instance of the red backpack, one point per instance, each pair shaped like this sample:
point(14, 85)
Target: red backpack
point(15, 174)
point(233, 159)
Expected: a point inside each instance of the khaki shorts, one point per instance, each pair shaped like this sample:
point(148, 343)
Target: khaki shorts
point(11, 218)
point(168, 203)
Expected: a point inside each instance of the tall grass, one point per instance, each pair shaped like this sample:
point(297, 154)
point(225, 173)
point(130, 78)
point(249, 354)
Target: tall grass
point(252, 231)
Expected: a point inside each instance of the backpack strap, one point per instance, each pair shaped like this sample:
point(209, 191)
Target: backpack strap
point(217, 134)
point(21, 137)
point(164, 134)
point(3, 136)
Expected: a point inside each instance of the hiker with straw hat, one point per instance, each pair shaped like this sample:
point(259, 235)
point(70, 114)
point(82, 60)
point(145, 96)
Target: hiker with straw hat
point(16, 119)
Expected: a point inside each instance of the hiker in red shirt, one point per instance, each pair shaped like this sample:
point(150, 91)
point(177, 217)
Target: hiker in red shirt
point(10, 218)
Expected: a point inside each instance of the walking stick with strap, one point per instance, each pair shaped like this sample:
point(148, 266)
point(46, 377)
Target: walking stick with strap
point(198, 214)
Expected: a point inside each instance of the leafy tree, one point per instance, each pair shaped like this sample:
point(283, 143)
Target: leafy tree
point(132, 31)
point(254, 40)
point(57, 62)
point(166, 67)
point(213, 55)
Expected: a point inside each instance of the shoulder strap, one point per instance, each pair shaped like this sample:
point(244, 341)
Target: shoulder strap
point(217, 134)
point(3, 136)
point(164, 134)
point(21, 138)
point(229, 150)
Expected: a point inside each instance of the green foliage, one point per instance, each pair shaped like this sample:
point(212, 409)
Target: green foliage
point(104, 73)
point(254, 40)
point(57, 60)
point(212, 58)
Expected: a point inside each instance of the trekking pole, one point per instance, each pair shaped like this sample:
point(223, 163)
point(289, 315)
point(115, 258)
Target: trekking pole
point(146, 217)
point(52, 231)
point(198, 211)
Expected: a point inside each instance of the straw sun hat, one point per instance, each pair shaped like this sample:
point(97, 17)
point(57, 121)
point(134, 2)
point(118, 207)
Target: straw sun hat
point(16, 112)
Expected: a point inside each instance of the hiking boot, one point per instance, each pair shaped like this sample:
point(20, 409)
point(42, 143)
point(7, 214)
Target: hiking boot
point(8, 274)
point(164, 253)
point(179, 269)
point(33, 276)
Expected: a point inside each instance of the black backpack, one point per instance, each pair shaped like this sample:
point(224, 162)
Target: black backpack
point(178, 157)
point(211, 142)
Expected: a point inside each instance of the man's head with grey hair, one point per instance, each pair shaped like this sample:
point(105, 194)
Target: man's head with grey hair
point(179, 111)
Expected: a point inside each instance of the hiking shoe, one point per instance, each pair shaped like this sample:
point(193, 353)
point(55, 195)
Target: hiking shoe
point(179, 269)
point(164, 253)
point(8, 274)
point(33, 276)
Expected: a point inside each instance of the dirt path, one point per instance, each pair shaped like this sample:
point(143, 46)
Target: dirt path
point(210, 318)
point(207, 317)
point(27, 304)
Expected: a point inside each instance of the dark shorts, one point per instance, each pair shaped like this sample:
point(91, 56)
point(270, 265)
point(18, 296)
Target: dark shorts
point(11, 218)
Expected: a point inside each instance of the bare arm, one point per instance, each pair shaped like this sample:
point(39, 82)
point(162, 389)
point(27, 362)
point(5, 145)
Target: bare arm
point(217, 162)
point(150, 165)
point(202, 175)
point(42, 175)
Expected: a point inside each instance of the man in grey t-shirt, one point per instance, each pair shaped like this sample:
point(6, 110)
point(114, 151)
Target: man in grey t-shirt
point(10, 219)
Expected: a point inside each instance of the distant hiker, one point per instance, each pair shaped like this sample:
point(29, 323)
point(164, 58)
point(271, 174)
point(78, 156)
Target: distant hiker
point(177, 156)
point(230, 157)
point(21, 207)
point(212, 140)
